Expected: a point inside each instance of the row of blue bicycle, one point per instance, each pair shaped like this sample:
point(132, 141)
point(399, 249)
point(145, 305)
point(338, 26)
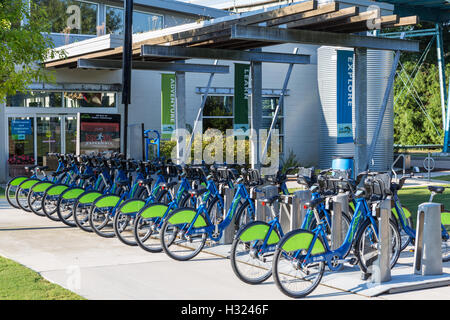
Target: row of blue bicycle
point(163, 207)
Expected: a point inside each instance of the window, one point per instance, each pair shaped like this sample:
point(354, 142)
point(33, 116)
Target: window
point(114, 20)
point(71, 16)
point(89, 100)
point(49, 99)
point(44, 99)
point(269, 106)
point(142, 21)
point(218, 113)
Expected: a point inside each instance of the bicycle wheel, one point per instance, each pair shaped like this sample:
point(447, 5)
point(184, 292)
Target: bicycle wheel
point(445, 220)
point(11, 189)
point(124, 221)
point(250, 260)
point(36, 195)
point(294, 278)
point(22, 193)
point(82, 207)
point(101, 216)
point(366, 248)
point(50, 200)
point(244, 215)
point(65, 205)
point(175, 242)
point(146, 228)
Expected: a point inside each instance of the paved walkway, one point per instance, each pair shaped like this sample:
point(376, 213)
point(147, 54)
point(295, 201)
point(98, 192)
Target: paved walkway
point(99, 268)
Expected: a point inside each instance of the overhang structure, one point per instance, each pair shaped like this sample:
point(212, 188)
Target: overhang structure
point(240, 37)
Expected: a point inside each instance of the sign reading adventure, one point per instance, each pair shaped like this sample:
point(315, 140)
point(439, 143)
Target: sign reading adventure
point(344, 97)
point(168, 105)
point(241, 96)
point(99, 133)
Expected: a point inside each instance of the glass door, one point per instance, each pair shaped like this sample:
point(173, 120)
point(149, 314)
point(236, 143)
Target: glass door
point(70, 132)
point(48, 140)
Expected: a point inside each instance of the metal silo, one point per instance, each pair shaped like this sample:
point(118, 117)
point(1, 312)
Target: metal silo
point(378, 69)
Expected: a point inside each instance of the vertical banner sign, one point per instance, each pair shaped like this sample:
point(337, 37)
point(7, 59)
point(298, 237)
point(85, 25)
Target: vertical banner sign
point(168, 105)
point(344, 96)
point(241, 94)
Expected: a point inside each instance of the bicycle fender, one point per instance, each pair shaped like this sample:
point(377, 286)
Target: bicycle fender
point(154, 210)
point(56, 189)
point(131, 206)
point(301, 240)
point(89, 197)
point(445, 218)
point(41, 186)
point(257, 230)
point(185, 215)
point(17, 180)
point(107, 201)
point(27, 184)
point(72, 193)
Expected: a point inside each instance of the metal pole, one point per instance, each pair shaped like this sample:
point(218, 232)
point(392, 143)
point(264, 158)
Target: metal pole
point(447, 125)
point(360, 109)
point(441, 65)
point(256, 113)
point(279, 106)
point(387, 94)
point(200, 111)
point(126, 68)
point(180, 117)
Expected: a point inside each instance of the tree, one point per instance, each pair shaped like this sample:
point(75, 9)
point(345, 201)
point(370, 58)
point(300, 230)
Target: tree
point(24, 42)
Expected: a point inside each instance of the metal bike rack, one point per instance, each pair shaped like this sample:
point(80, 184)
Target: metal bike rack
point(427, 254)
point(228, 233)
point(292, 211)
point(383, 265)
point(340, 204)
point(263, 212)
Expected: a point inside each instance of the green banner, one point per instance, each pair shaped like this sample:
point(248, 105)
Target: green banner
point(168, 105)
point(241, 96)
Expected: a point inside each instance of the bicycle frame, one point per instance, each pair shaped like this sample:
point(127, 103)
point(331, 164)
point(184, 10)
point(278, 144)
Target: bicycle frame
point(241, 193)
point(362, 213)
point(409, 231)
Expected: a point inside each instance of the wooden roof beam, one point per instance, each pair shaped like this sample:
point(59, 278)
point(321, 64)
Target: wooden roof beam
point(324, 18)
point(323, 9)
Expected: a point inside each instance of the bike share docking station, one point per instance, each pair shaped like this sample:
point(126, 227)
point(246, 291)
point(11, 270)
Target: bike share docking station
point(427, 253)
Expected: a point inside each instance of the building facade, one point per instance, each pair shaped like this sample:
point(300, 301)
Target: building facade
point(47, 119)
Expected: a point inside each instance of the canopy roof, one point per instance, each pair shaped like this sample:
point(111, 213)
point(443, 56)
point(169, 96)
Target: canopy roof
point(427, 10)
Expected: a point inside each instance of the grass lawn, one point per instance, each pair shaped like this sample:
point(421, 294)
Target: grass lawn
point(443, 178)
point(20, 283)
point(2, 192)
point(412, 197)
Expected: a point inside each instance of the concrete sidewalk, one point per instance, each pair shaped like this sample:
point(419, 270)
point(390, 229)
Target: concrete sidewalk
point(99, 268)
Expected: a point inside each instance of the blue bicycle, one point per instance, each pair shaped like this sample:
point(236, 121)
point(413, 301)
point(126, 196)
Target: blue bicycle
point(254, 245)
point(104, 208)
point(152, 216)
point(18, 188)
point(185, 231)
point(301, 255)
point(162, 194)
